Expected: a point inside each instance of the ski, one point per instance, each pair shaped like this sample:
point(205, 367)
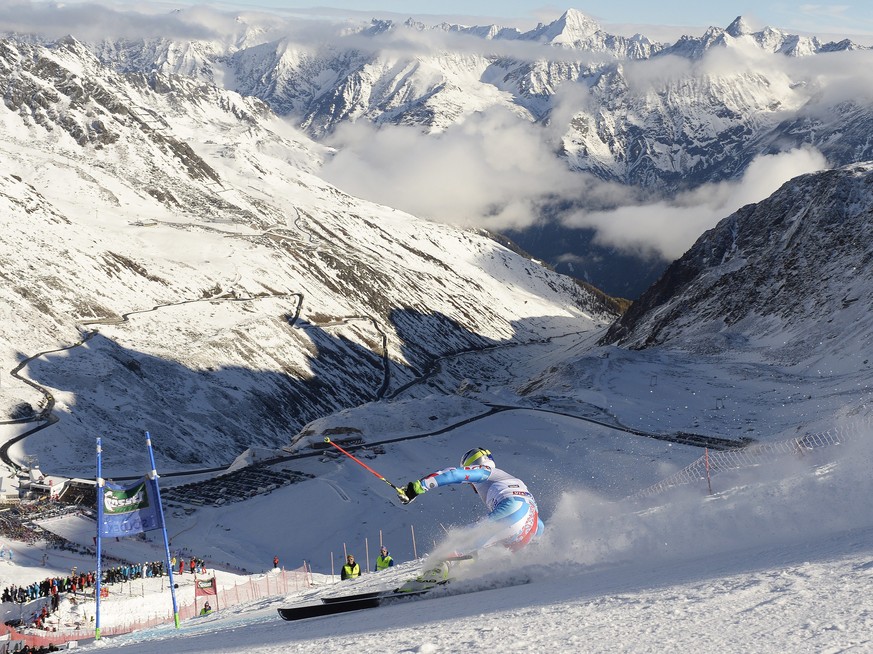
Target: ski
point(361, 596)
point(438, 576)
point(344, 604)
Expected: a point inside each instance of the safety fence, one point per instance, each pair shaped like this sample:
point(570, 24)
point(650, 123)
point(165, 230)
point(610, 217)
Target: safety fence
point(270, 585)
point(712, 463)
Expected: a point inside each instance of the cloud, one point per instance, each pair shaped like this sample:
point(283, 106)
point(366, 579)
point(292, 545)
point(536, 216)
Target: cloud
point(651, 75)
point(668, 228)
point(833, 78)
point(493, 170)
point(497, 171)
point(93, 21)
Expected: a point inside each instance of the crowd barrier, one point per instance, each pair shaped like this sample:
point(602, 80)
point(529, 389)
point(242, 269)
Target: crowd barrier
point(270, 585)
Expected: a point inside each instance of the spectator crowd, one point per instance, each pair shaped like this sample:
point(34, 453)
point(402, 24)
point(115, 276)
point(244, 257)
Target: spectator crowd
point(51, 588)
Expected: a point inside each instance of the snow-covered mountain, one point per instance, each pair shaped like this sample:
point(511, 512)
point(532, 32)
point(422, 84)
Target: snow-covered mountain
point(789, 278)
point(172, 238)
point(168, 246)
point(768, 39)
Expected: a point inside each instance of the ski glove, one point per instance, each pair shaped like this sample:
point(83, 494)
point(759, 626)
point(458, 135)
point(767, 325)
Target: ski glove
point(413, 490)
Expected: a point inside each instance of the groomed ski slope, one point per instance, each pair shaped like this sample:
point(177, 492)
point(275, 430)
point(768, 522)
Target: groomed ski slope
point(782, 562)
point(787, 604)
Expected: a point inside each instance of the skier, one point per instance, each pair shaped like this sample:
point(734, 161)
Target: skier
point(513, 519)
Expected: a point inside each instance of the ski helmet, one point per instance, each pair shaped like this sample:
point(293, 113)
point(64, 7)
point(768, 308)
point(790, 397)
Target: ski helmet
point(478, 456)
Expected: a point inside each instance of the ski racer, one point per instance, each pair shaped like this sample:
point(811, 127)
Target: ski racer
point(513, 519)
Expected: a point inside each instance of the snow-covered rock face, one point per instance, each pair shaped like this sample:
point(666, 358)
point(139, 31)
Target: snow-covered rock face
point(790, 276)
point(166, 244)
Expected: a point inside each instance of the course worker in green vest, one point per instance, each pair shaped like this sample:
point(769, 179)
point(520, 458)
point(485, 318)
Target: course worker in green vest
point(384, 560)
point(351, 570)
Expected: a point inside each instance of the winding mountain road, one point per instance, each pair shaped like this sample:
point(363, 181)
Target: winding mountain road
point(46, 416)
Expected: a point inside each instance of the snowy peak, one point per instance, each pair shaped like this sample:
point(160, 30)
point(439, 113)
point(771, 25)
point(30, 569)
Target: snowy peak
point(382, 26)
point(739, 27)
point(571, 28)
point(768, 39)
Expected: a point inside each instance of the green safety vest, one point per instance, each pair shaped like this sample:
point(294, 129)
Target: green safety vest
point(351, 571)
point(383, 562)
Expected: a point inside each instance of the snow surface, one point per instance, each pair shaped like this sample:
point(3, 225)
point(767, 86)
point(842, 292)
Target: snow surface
point(778, 559)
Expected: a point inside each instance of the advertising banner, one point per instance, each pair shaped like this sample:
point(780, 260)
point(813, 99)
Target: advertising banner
point(130, 510)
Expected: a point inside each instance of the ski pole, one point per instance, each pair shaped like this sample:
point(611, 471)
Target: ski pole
point(400, 491)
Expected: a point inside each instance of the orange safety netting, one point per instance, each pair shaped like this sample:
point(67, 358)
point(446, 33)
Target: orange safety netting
point(270, 585)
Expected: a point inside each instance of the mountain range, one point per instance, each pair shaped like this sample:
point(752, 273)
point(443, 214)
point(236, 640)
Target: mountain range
point(647, 118)
point(657, 115)
point(175, 261)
